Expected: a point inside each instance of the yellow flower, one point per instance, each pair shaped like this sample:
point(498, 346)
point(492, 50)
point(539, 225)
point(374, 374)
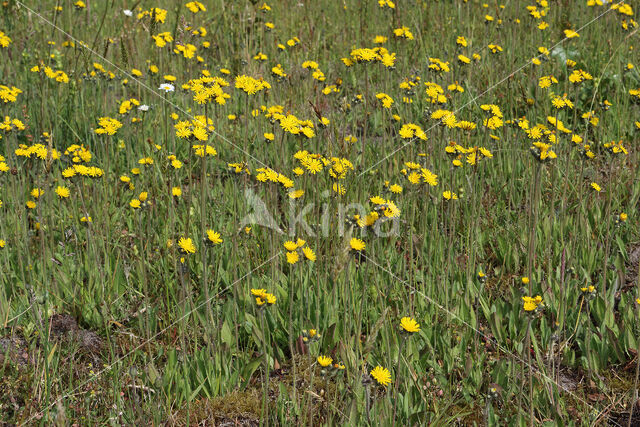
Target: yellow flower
point(324, 361)
point(258, 292)
point(531, 303)
point(409, 325)
point(176, 191)
point(271, 299)
point(595, 186)
point(292, 257)
point(62, 192)
point(262, 297)
point(429, 177)
point(339, 188)
point(448, 195)
point(377, 200)
point(186, 245)
point(213, 237)
point(357, 244)
point(571, 34)
point(135, 203)
point(308, 253)
point(395, 188)
point(381, 375)
point(525, 280)
point(295, 194)
point(588, 289)
point(2, 244)
point(290, 246)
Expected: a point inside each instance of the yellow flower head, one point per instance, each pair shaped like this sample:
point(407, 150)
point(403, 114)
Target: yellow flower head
point(357, 244)
point(308, 253)
point(409, 325)
point(290, 246)
point(186, 245)
point(258, 292)
point(381, 375)
point(263, 297)
point(324, 361)
point(531, 303)
point(292, 257)
point(62, 192)
point(213, 237)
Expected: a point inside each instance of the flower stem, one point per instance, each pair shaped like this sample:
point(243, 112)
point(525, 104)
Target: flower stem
point(395, 387)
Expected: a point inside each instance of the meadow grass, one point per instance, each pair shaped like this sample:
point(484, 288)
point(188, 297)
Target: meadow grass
point(445, 212)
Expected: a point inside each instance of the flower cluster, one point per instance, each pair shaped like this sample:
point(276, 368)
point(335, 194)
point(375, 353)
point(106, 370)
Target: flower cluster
point(263, 298)
point(294, 249)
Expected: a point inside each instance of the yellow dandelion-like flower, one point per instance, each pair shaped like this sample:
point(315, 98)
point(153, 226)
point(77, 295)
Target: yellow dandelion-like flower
point(292, 257)
point(258, 292)
point(381, 375)
point(531, 303)
point(290, 246)
point(409, 325)
point(449, 195)
point(213, 237)
point(62, 192)
point(296, 194)
point(324, 361)
point(308, 253)
point(357, 244)
point(186, 245)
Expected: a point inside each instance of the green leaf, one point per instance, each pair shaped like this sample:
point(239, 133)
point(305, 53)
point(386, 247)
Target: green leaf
point(250, 369)
point(225, 334)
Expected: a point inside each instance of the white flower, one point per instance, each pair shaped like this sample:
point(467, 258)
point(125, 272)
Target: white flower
point(167, 87)
point(127, 12)
point(144, 108)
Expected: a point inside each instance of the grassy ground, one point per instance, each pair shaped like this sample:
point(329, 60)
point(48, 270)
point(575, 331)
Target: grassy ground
point(240, 213)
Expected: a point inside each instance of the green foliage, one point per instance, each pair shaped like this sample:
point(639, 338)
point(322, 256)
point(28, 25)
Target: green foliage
point(118, 320)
